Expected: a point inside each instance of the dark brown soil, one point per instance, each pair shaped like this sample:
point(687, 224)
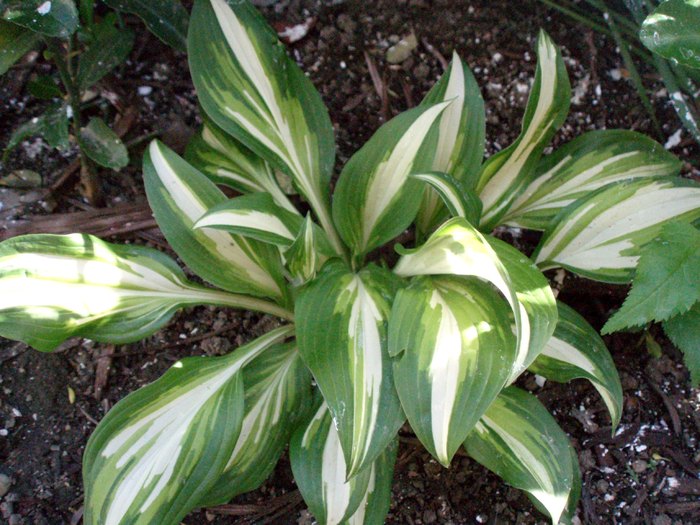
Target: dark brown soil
point(646, 473)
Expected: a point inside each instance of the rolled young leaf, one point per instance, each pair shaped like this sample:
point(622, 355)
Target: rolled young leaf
point(520, 441)
point(307, 253)
point(375, 199)
point(249, 87)
point(342, 320)
point(319, 468)
point(672, 32)
point(599, 236)
point(577, 351)
point(255, 216)
point(453, 350)
point(55, 18)
point(53, 287)
point(461, 135)
point(277, 389)
point(162, 447)
point(460, 202)
point(457, 248)
point(179, 195)
point(505, 174)
point(583, 165)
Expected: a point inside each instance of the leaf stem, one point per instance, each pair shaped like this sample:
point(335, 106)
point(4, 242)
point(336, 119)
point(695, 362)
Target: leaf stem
point(241, 301)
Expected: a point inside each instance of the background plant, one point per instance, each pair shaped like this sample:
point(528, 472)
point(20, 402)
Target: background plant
point(436, 337)
point(84, 48)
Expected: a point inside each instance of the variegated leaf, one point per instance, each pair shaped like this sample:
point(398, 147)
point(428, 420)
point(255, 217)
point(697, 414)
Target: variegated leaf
point(504, 175)
point(255, 216)
point(375, 504)
point(375, 199)
point(342, 319)
point(162, 447)
point(249, 87)
point(457, 248)
point(307, 253)
point(583, 165)
point(320, 471)
point(521, 442)
point(53, 287)
point(228, 162)
point(577, 351)
point(277, 389)
point(453, 349)
point(461, 132)
point(599, 236)
point(179, 195)
point(460, 202)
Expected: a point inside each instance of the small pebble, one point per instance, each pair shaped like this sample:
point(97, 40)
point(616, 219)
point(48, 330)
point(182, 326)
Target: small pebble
point(5, 484)
point(639, 465)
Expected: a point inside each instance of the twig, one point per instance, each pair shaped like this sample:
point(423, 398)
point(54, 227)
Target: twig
point(672, 412)
point(433, 51)
point(273, 505)
point(379, 86)
point(88, 416)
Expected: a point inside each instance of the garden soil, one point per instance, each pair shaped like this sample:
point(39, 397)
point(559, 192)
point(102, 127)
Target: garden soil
point(646, 471)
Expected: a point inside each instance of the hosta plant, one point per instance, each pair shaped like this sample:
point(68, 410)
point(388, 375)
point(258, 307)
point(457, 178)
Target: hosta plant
point(434, 335)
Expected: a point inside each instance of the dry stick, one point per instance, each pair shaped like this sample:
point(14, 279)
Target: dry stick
point(672, 412)
point(379, 86)
point(433, 51)
point(232, 509)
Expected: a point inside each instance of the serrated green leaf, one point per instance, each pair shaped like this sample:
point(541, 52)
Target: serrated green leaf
point(599, 236)
point(179, 195)
point(577, 351)
point(249, 87)
point(583, 165)
point(277, 389)
point(457, 248)
point(461, 135)
point(167, 19)
point(520, 441)
point(52, 125)
point(109, 47)
point(102, 145)
point(228, 162)
point(319, 468)
point(57, 18)
point(506, 174)
point(667, 280)
point(342, 320)
point(162, 447)
point(672, 31)
point(256, 216)
point(15, 42)
point(53, 287)
point(453, 350)
point(460, 202)
point(684, 331)
point(375, 199)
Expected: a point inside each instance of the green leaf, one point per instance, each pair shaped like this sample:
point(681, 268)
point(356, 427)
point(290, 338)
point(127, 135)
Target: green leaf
point(375, 199)
point(167, 19)
point(57, 18)
point(249, 87)
point(179, 195)
point(162, 447)
point(319, 469)
point(461, 134)
point(375, 504)
point(457, 248)
point(667, 280)
point(228, 162)
point(44, 87)
point(255, 216)
point(453, 350)
point(583, 165)
point(684, 331)
point(109, 47)
point(672, 31)
point(15, 42)
point(277, 389)
point(599, 236)
point(342, 320)
point(102, 145)
point(460, 202)
point(53, 287)
point(506, 174)
point(52, 126)
point(307, 253)
point(577, 351)
point(520, 441)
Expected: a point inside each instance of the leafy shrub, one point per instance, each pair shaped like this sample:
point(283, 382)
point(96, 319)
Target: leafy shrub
point(437, 337)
